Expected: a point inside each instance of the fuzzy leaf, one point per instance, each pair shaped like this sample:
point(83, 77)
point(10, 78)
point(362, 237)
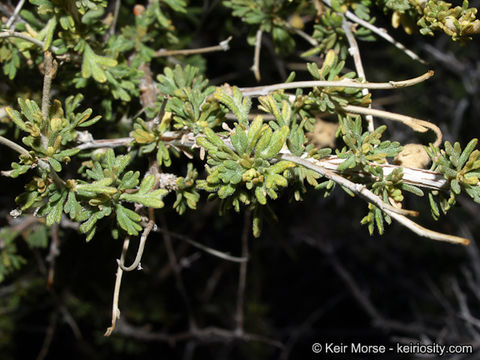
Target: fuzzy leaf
point(93, 65)
point(276, 143)
point(128, 220)
point(16, 118)
point(97, 187)
point(55, 214)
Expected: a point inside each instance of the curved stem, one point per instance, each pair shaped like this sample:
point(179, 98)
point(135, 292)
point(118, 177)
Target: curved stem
point(354, 50)
point(116, 292)
point(14, 146)
point(414, 123)
point(10, 33)
point(141, 246)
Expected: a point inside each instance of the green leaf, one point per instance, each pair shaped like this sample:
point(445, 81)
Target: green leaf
point(263, 141)
point(55, 214)
point(254, 133)
point(72, 206)
point(379, 220)
point(31, 110)
point(239, 140)
point(145, 196)
point(97, 187)
point(276, 143)
point(413, 189)
point(234, 100)
point(50, 30)
point(455, 186)
point(38, 238)
point(90, 122)
point(16, 118)
point(55, 164)
point(93, 65)
point(213, 138)
point(18, 169)
point(260, 195)
point(129, 180)
point(128, 220)
point(434, 206)
point(466, 153)
point(152, 199)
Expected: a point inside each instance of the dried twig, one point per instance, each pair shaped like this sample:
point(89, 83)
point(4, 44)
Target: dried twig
point(380, 32)
point(52, 254)
point(12, 18)
point(116, 10)
point(208, 250)
point(242, 275)
point(143, 239)
point(177, 271)
point(49, 69)
point(366, 194)
point(264, 90)
point(414, 123)
point(222, 46)
point(116, 291)
point(206, 335)
point(355, 52)
point(105, 143)
point(11, 33)
point(52, 324)
point(256, 57)
point(14, 146)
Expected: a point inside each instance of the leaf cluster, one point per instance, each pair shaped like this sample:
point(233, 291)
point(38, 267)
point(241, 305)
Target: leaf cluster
point(460, 168)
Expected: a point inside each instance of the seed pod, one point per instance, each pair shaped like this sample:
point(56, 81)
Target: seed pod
point(323, 134)
point(413, 156)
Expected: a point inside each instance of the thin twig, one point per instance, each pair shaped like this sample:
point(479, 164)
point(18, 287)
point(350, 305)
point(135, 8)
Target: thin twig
point(256, 57)
point(380, 32)
point(15, 14)
point(52, 254)
point(366, 194)
point(242, 275)
point(116, 10)
point(208, 250)
point(222, 46)
point(105, 143)
point(143, 239)
point(52, 324)
point(206, 335)
point(14, 146)
point(264, 90)
point(116, 291)
point(354, 50)
point(414, 123)
point(47, 83)
point(11, 33)
point(177, 271)
point(304, 35)
point(147, 87)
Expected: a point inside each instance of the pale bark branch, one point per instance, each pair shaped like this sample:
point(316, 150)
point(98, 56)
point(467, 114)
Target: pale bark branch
point(264, 90)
